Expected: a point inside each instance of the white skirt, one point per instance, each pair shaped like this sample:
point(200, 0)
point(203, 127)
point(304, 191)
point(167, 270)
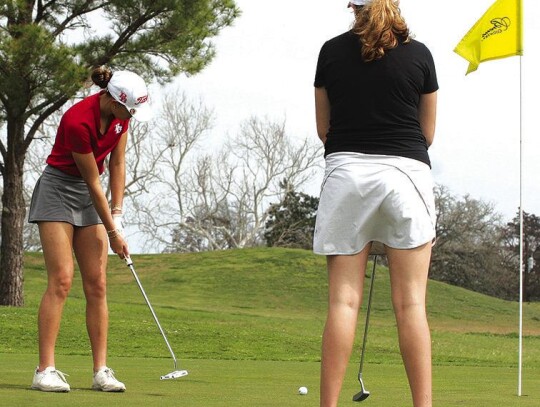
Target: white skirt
point(368, 197)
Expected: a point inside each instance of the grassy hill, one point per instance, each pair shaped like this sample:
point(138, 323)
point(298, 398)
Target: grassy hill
point(263, 304)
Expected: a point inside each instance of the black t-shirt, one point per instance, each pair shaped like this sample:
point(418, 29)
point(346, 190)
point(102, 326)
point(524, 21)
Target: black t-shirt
point(374, 105)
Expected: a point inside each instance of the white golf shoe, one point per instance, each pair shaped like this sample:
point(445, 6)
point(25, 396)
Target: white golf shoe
point(50, 380)
point(104, 380)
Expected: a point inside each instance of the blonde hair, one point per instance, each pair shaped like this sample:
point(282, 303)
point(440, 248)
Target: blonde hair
point(380, 26)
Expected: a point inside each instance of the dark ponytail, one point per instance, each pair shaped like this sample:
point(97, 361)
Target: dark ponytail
point(101, 76)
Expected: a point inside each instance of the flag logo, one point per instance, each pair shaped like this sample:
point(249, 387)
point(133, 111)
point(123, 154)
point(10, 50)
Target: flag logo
point(499, 25)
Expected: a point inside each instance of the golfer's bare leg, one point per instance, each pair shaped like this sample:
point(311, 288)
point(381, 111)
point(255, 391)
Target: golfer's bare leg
point(91, 249)
point(408, 276)
point(56, 241)
point(345, 285)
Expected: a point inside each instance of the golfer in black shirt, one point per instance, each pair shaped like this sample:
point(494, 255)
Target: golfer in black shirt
point(375, 97)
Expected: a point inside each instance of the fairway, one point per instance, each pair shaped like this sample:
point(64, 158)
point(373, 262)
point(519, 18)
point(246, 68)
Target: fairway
point(247, 326)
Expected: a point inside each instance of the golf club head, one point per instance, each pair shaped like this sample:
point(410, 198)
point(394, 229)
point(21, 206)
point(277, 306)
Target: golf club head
point(174, 375)
point(363, 394)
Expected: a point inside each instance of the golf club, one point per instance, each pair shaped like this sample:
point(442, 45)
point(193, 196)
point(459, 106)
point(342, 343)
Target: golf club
point(175, 374)
point(376, 249)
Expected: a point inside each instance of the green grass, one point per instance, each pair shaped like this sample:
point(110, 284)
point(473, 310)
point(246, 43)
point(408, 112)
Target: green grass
point(247, 324)
point(240, 383)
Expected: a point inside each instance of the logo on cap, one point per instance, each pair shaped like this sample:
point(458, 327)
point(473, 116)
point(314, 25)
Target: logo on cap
point(123, 97)
point(142, 99)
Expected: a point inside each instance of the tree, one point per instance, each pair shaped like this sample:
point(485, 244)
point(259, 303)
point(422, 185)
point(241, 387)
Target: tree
point(291, 222)
point(470, 250)
point(218, 200)
point(183, 126)
point(233, 192)
point(531, 244)
point(47, 49)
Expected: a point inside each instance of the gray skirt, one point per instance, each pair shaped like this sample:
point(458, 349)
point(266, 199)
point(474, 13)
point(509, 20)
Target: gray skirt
point(59, 197)
point(374, 198)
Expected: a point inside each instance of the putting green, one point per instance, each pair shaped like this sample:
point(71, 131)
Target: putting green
point(235, 383)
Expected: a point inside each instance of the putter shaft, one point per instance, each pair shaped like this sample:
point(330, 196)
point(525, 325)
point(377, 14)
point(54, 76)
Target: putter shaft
point(364, 394)
point(129, 263)
point(367, 319)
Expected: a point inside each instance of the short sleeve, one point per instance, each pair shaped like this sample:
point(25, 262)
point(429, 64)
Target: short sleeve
point(430, 79)
point(320, 79)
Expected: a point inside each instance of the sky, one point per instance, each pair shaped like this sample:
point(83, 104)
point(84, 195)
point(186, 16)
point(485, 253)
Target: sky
point(265, 66)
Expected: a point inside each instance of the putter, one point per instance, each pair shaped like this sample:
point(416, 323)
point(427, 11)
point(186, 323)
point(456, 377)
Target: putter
point(175, 374)
point(376, 249)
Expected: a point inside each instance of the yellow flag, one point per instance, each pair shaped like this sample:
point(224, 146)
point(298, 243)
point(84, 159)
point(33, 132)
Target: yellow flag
point(497, 34)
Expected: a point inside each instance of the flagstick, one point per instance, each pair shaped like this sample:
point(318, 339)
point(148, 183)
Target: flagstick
point(520, 354)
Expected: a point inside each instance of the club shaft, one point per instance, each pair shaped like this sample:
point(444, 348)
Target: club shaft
point(367, 318)
point(130, 265)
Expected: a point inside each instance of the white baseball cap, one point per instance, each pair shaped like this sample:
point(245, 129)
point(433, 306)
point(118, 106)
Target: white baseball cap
point(129, 89)
point(358, 2)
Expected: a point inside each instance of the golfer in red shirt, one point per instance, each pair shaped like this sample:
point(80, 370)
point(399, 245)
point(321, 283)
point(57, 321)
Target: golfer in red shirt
point(74, 216)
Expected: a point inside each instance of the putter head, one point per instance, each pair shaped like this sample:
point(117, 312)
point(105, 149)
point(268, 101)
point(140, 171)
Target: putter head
point(364, 394)
point(174, 375)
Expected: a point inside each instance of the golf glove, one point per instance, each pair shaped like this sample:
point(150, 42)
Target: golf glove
point(119, 223)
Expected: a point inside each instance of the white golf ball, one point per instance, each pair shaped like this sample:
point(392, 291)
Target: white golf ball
point(302, 390)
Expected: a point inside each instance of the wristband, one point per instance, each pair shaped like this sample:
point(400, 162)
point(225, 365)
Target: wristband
point(113, 234)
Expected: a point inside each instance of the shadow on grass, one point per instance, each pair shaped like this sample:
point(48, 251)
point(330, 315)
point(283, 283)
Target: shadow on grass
point(8, 386)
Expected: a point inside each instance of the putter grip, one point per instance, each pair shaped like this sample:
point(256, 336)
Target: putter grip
point(128, 261)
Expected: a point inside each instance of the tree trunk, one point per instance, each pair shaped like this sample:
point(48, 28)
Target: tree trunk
point(13, 217)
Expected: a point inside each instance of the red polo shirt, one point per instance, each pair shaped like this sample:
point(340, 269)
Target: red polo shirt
point(79, 132)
